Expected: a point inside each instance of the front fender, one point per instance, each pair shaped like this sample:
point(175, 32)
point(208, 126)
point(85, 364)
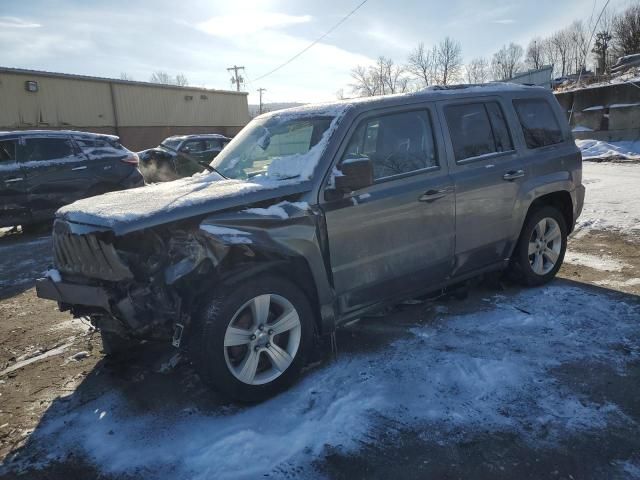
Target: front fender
point(281, 234)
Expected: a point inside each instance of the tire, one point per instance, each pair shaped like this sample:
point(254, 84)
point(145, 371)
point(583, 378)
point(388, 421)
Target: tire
point(114, 346)
point(244, 354)
point(548, 244)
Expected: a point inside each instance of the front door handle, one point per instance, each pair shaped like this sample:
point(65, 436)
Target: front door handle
point(14, 180)
point(79, 168)
point(431, 195)
point(513, 175)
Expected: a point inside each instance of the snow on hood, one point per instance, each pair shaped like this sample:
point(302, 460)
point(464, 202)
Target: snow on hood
point(115, 209)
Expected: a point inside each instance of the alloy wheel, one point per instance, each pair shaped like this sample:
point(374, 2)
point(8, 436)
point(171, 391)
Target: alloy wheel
point(262, 339)
point(545, 245)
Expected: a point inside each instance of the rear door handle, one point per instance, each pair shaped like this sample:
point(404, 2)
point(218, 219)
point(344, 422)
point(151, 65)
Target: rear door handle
point(513, 175)
point(79, 168)
point(14, 180)
point(431, 195)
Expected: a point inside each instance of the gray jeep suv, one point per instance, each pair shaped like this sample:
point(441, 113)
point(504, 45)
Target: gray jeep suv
point(316, 215)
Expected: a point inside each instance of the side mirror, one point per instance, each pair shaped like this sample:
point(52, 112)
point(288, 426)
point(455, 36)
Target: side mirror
point(357, 173)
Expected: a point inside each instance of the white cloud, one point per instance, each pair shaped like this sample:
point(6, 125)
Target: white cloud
point(504, 21)
point(15, 22)
point(243, 23)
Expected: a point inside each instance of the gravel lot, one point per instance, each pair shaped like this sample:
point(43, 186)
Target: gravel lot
point(507, 383)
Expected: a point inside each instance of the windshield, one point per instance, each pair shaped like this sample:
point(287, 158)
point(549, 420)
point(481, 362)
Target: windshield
point(276, 148)
point(171, 143)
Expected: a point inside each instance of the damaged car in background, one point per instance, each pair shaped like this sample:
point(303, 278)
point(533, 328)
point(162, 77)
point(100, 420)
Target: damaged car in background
point(315, 216)
point(180, 156)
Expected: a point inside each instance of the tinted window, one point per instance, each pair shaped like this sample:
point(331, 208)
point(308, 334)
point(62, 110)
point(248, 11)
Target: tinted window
point(499, 125)
point(396, 143)
point(212, 144)
point(38, 149)
point(7, 151)
point(539, 125)
point(193, 146)
point(477, 129)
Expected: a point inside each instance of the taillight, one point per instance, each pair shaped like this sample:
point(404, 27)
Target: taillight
point(131, 159)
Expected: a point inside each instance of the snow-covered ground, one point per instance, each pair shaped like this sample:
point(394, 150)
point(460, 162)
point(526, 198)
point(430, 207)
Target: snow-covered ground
point(601, 150)
point(613, 197)
point(450, 378)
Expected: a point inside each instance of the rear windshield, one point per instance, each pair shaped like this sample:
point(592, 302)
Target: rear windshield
point(539, 125)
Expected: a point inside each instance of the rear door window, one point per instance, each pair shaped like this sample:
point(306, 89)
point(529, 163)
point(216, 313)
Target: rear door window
point(477, 129)
point(539, 124)
point(45, 149)
point(396, 143)
point(213, 145)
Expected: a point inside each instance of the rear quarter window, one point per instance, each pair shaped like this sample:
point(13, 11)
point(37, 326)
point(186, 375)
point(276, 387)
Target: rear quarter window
point(539, 124)
point(7, 152)
point(98, 146)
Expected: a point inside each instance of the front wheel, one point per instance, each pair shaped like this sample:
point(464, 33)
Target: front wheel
point(251, 340)
point(540, 250)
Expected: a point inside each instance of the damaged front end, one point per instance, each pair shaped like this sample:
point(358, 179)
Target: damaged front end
point(148, 284)
point(135, 285)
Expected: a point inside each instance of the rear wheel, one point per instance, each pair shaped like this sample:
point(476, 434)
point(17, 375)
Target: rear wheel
point(252, 340)
point(540, 250)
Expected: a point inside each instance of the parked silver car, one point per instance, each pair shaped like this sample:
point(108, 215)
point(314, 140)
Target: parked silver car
point(317, 215)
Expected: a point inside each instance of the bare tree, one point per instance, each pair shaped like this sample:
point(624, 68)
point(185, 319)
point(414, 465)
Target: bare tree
point(383, 78)
point(506, 62)
point(477, 70)
point(600, 49)
point(423, 66)
point(125, 76)
point(579, 38)
point(561, 42)
point(161, 77)
point(181, 80)
point(449, 61)
point(363, 83)
point(626, 29)
point(534, 58)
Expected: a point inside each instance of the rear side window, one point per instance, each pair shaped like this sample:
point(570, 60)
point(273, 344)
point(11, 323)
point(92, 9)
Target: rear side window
point(7, 151)
point(40, 149)
point(396, 143)
point(539, 125)
point(477, 129)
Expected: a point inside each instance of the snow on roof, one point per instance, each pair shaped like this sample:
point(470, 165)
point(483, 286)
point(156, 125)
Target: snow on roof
point(341, 106)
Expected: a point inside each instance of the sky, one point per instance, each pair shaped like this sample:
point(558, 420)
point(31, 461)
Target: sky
point(200, 38)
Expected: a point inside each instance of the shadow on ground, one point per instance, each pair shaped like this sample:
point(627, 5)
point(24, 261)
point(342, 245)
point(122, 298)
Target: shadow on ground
point(428, 390)
point(23, 258)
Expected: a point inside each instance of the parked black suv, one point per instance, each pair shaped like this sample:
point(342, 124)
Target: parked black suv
point(180, 156)
point(42, 170)
point(317, 216)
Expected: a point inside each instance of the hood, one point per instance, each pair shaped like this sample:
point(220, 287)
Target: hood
point(144, 207)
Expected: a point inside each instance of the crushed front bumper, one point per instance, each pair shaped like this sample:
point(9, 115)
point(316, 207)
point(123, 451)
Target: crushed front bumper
point(73, 294)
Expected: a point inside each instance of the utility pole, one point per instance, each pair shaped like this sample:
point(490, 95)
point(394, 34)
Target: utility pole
point(260, 90)
point(237, 79)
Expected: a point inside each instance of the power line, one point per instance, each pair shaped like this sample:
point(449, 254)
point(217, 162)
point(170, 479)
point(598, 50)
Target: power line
point(342, 20)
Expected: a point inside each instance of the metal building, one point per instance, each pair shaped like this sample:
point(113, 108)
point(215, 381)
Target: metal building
point(140, 113)
point(540, 77)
